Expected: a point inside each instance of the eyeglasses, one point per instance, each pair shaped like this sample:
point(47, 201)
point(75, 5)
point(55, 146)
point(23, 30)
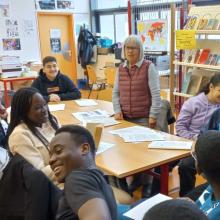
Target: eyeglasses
point(131, 48)
point(193, 154)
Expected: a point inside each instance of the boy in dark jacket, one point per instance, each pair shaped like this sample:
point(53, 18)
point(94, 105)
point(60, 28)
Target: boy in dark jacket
point(53, 85)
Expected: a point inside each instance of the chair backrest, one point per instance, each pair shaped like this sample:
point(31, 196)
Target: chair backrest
point(105, 94)
point(91, 74)
point(96, 131)
point(110, 75)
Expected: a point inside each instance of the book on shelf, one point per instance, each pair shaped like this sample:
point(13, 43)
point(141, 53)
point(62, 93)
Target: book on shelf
point(194, 84)
point(218, 61)
point(214, 59)
point(188, 57)
point(212, 24)
point(208, 61)
point(202, 24)
point(191, 22)
point(203, 56)
point(197, 55)
point(186, 80)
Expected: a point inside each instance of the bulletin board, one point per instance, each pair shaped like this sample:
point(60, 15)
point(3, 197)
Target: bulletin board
point(18, 28)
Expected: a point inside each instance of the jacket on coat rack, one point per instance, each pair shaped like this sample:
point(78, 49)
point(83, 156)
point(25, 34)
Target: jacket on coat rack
point(86, 41)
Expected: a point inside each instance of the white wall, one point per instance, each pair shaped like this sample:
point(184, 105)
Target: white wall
point(25, 9)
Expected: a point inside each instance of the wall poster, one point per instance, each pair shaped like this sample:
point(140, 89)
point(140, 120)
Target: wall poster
point(27, 28)
point(55, 40)
point(154, 34)
point(11, 28)
point(11, 44)
point(45, 4)
point(65, 4)
point(4, 8)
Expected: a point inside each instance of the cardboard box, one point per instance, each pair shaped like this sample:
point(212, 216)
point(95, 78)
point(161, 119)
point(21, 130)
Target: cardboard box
point(103, 51)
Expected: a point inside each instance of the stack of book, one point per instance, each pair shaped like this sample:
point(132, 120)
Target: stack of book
point(10, 66)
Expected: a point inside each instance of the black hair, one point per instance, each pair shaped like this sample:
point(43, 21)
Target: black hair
point(207, 150)
point(175, 209)
point(80, 135)
point(20, 106)
point(49, 59)
point(215, 81)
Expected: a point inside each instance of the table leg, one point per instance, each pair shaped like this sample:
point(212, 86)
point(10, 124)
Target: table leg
point(164, 178)
point(6, 95)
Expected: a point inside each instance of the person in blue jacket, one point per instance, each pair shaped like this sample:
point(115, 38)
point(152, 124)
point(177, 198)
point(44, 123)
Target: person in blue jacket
point(53, 85)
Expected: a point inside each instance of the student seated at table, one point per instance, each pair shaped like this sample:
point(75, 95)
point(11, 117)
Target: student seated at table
point(53, 85)
point(194, 116)
point(207, 161)
point(86, 191)
point(31, 128)
point(175, 209)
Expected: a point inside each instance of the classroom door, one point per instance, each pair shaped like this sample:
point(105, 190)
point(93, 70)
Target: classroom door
point(57, 39)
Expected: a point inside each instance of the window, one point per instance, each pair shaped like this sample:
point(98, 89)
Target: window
point(121, 27)
point(107, 26)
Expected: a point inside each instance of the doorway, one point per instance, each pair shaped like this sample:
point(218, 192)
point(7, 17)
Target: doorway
point(57, 39)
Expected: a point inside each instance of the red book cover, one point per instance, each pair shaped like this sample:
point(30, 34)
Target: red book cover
point(204, 56)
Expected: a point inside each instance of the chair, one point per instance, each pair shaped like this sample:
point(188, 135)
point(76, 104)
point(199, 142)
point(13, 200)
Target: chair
point(110, 75)
point(106, 94)
point(94, 80)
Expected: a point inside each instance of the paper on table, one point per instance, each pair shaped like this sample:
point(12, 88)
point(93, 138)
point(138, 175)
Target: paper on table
point(174, 145)
point(56, 107)
point(83, 116)
point(140, 137)
point(85, 102)
point(106, 121)
point(104, 146)
point(128, 130)
point(138, 134)
point(139, 211)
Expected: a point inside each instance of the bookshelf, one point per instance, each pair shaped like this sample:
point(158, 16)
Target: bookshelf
point(203, 61)
point(207, 32)
point(184, 95)
point(203, 66)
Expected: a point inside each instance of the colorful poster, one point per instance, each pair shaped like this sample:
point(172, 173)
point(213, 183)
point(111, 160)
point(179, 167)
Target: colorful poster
point(11, 28)
point(11, 44)
point(65, 4)
point(185, 39)
point(154, 34)
point(4, 8)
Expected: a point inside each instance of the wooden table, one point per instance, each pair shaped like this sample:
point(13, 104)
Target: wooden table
point(11, 80)
point(126, 159)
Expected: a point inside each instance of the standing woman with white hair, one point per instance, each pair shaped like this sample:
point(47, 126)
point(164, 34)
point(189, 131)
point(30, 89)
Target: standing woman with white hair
point(136, 93)
point(136, 96)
